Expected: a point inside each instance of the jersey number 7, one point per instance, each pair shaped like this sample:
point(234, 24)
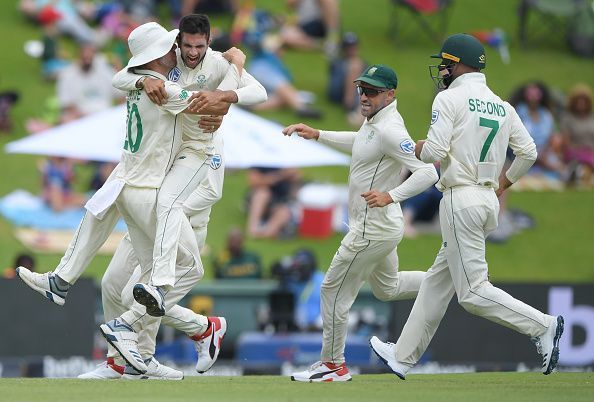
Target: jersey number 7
point(494, 126)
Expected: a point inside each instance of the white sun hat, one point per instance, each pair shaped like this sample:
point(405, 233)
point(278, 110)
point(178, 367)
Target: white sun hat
point(149, 42)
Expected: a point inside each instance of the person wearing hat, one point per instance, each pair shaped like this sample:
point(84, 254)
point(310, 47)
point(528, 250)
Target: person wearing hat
point(380, 149)
point(152, 139)
point(577, 128)
point(471, 128)
point(200, 69)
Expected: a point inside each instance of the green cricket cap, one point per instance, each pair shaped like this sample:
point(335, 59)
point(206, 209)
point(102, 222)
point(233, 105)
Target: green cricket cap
point(379, 76)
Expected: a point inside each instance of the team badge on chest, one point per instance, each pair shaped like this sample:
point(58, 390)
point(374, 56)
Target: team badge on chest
point(201, 81)
point(174, 74)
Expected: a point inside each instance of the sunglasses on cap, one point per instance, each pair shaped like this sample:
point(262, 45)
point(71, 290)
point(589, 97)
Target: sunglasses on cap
point(369, 92)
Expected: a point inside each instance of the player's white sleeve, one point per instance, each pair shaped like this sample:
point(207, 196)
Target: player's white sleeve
point(522, 145)
point(341, 140)
point(401, 148)
point(437, 145)
point(177, 100)
point(249, 91)
point(124, 80)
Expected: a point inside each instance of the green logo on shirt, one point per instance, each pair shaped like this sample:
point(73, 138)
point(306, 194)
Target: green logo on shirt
point(370, 137)
point(201, 80)
point(183, 94)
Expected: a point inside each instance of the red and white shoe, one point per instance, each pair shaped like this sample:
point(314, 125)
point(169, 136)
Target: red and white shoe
point(323, 372)
point(107, 370)
point(208, 344)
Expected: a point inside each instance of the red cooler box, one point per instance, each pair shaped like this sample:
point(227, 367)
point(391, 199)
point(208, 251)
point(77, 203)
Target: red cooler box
point(317, 203)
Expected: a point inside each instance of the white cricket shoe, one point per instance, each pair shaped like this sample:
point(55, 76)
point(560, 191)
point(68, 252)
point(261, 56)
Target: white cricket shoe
point(208, 344)
point(547, 345)
point(152, 297)
point(323, 372)
point(123, 337)
point(155, 371)
point(386, 351)
point(44, 284)
point(106, 370)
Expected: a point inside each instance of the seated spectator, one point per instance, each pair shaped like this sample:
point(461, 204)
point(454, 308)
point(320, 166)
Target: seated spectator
point(271, 191)
point(300, 276)
point(85, 87)
point(344, 69)
point(316, 27)
point(577, 127)
point(422, 207)
point(22, 260)
point(235, 262)
point(268, 68)
point(51, 61)
point(255, 29)
point(7, 99)
point(58, 175)
point(533, 104)
point(71, 22)
point(101, 171)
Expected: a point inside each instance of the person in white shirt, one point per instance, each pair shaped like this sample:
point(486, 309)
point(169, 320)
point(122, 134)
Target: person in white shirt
point(123, 272)
point(471, 128)
point(199, 68)
point(380, 149)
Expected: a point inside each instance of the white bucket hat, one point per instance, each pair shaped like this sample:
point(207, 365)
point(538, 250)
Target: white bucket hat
point(149, 42)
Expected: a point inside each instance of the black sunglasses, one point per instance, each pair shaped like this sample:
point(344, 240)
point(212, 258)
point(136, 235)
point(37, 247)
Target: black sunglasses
point(369, 92)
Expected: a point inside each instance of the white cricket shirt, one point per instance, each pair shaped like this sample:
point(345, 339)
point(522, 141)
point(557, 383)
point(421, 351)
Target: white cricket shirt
point(470, 130)
point(380, 149)
point(153, 135)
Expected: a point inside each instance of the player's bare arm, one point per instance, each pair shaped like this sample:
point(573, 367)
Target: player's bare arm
point(303, 131)
point(236, 57)
point(212, 102)
point(376, 198)
point(154, 88)
point(419, 148)
point(210, 123)
point(504, 184)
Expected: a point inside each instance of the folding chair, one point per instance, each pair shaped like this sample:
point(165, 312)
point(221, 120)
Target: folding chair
point(431, 15)
point(554, 18)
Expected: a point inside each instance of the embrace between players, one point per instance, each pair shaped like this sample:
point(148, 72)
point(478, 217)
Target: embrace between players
point(165, 186)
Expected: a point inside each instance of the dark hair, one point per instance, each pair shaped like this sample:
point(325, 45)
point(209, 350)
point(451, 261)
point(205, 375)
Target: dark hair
point(517, 96)
point(25, 260)
point(195, 24)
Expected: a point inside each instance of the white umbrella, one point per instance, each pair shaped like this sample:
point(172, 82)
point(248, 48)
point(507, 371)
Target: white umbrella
point(250, 140)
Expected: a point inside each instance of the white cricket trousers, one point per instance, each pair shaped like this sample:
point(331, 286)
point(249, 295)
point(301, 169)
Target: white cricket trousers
point(467, 215)
point(137, 206)
point(187, 171)
point(116, 294)
point(356, 261)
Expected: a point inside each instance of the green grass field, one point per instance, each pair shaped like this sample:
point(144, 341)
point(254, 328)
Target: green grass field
point(483, 387)
point(557, 250)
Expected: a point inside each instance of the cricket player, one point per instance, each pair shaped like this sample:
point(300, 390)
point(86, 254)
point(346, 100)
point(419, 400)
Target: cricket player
point(471, 128)
point(199, 68)
point(380, 149)
point(123, 272)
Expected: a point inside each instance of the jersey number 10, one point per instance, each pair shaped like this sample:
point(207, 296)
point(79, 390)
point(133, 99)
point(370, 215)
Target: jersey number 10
point(132, 143)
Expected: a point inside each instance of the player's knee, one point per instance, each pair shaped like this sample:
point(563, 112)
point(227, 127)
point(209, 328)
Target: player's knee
point(382, 295)
point(468, 302)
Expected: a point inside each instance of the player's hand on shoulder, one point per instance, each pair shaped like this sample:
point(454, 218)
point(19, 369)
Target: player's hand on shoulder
point(155, 90)
point(235, 56)
point(302, 130)
point(376, 198)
